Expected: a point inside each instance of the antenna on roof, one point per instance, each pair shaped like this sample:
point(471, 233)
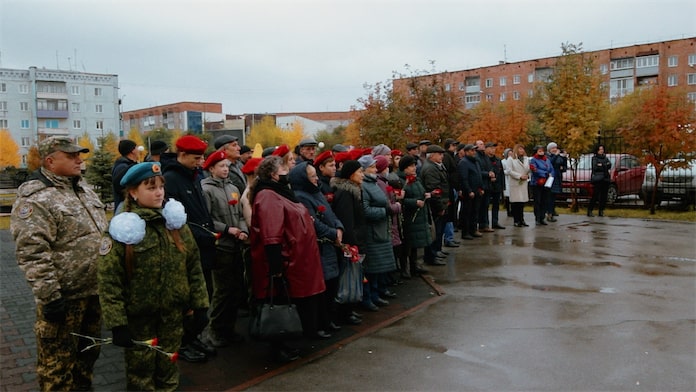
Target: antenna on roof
point(505, 53)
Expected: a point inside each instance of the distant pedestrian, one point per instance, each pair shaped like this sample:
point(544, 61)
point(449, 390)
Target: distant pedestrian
point(559, 161)
point(57, 223)
point(519, 171)
point(600, 178)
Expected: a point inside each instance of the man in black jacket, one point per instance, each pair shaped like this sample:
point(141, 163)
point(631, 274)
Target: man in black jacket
point(450, 163)
point(497, 184)
point(472, 191)
point(183, 184)
point(129, 157)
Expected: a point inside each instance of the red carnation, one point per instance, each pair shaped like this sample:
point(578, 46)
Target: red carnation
point(329, 197)
point(390, 189)
point(233, 202)
point(436, 192)
point(321, 209)
point(174, 357)
point(218, 235)
point(410, 179)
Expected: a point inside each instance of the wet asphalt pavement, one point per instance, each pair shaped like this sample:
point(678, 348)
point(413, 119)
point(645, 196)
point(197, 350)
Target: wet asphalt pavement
point(581, 304)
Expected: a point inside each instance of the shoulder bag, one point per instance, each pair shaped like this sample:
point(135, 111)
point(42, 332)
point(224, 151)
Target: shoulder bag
point(273, 322)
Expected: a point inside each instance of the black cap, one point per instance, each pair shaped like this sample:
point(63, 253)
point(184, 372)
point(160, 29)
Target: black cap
point(348, 168)
point(424, 141)
point(411, 146)
point(224, 139)
point(434, 148)
point(491, 144)
point(468, 147)
point(449, 142)
point(308, 142)
point(126, 146)
point(158, 147)
point(244, 149)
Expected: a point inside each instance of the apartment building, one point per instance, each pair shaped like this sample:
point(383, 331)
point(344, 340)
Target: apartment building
point(624, 69)
point(38, 103)
point(184, 116)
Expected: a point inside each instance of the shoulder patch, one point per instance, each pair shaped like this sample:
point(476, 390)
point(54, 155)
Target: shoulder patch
point(30, 187)
point(105, 246)
point(24, 210)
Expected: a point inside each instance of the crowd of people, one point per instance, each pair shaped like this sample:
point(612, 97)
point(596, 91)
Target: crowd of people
point(197, 239)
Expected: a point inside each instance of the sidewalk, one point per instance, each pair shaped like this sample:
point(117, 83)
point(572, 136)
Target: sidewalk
point(236, 367)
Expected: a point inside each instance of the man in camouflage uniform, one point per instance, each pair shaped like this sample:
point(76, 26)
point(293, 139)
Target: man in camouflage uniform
point(57, 223)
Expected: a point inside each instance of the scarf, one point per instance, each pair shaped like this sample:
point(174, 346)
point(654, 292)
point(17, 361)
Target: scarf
point(282, 190)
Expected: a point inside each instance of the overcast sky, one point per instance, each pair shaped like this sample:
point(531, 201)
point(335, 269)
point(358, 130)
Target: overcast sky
point(311, 55)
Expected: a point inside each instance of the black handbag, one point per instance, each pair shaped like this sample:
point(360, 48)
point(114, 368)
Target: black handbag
point(274, 322)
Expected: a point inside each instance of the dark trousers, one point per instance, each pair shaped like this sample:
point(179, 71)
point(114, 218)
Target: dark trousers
point(517, 211)
point(541, 201)
point(494, 200)
point(468, 215)
point(435, 246)
point(327, 311)
point(484, 202)
point(599, 193)
point(228, 292)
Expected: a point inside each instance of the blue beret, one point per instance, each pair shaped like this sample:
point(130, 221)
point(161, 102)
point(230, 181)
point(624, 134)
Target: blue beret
point(140, 172)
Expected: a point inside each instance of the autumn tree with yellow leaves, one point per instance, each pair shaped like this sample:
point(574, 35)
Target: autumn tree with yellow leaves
point(9, 150)
point(267, 133)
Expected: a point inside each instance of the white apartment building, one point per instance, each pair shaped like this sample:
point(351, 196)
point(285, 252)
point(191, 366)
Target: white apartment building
point(38, 103)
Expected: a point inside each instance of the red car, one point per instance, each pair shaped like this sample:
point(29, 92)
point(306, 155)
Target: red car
point(626, 178)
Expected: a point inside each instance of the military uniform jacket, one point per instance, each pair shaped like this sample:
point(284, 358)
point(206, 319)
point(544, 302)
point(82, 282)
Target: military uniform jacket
point(223, 201)
point(57, 224)
point(163, 279)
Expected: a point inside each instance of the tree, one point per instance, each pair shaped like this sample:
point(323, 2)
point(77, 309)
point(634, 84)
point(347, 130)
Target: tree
point(33, 158)
point(9, 150)
point(570, 105)
point(335, 136)
point(110, 144)
point(86, 142)
point(267, 133)
point(657, 124)
point(99, 171)
point(505, 124)
point(135, 136)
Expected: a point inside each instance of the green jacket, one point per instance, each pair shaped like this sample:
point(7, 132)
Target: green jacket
point(163, 279)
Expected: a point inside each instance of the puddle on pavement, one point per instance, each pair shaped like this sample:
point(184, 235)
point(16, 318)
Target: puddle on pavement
point(555, 262)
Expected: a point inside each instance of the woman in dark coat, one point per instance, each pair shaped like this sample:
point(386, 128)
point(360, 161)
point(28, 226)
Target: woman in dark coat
point(415, 224)
point(600, 180)
point(304, 182)
point(347, 205)
point(542, 171)
point(284, 244)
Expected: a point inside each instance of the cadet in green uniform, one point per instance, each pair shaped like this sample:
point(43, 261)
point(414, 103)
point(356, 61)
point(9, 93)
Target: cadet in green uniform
point(57, 223)
point(150, 279)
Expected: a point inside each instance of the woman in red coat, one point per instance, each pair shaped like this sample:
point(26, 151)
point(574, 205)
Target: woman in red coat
point(284, 244)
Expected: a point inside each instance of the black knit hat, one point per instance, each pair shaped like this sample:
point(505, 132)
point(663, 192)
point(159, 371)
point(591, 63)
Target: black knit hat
point(126, 146)
point(348, 168)
point(406, 161)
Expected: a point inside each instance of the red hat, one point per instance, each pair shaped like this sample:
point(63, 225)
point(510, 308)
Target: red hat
point(191, 145)
point(355, 153)
point(382, 163)
point(342, 156)
point(396, 153)
point(213, 159)
point(250, 166)
point(281, 150)
point(324, 156)
point(367, 151)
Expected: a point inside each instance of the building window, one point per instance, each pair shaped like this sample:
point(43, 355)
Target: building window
point(24, 88)
point(503, 96)
point(691, 97)
point(489, 97)
point(77, 124)
point(691, 78)
point(692, 60)
point(647, 61)
point(672, 80)
point(516, 95)
point(3, 123)
point(98, 108)
point(603, 69)
point(24, 106)
point(75, 90)
point(530, 78)
point(24, 124)
point(489, 82)
point(672, 61)
point(51, 124)
point(97, 92)
point(3, 88)
point(503, 81)
point(100, 125)
point(448, 87)
point(472, 98)
point(462, 86)
point(472, 82)
point(26, 141)
point(621, 64)
point(3, 106)
point(75, 107)
point(516, 79)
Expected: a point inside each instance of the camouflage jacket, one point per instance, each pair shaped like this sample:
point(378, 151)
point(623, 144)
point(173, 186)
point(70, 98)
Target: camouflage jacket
point(57, 224)
point(162, 278)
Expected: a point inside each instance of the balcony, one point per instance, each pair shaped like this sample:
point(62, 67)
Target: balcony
point(46, 132)
point(45, 95)
point(52, 113)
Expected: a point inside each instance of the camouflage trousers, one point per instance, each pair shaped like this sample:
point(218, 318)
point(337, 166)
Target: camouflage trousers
point(147, 369)
point(61, 366)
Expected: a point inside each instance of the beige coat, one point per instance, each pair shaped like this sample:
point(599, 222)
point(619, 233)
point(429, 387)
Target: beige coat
point(518, 186)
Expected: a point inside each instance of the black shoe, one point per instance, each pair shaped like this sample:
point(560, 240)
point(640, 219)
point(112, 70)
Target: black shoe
point(467, 237)
point(551, 219)
point(388, 294)
point(189, 354)
point(518, 224)
point(590, 214)
point(356, 314)
point(499, 227)
point(541, 223)
point(451, 245)
point(524, 224)
point(601, 213)
point(380, 302)
point(334, 327)
point(217, 340)
point(322, 335)
point(202, 347)
point(442, 254)
point(352, 320)
point(285, 356)
point(369, 306)
point(436, 262)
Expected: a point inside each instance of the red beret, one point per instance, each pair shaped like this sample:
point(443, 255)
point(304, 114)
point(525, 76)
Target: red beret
point(191, 145)
point(355, 153)
point(324, 156)
point(281, 150)
point(367, 151)
point(396, 153)
point(250, 166)
point(214, 158)
point(342, 157)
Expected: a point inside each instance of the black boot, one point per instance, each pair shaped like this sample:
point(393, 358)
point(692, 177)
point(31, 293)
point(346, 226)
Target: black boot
point(589, 213)
point(601, 212)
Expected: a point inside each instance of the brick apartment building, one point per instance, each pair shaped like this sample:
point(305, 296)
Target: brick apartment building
point(185, 116)
point(624, 69)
